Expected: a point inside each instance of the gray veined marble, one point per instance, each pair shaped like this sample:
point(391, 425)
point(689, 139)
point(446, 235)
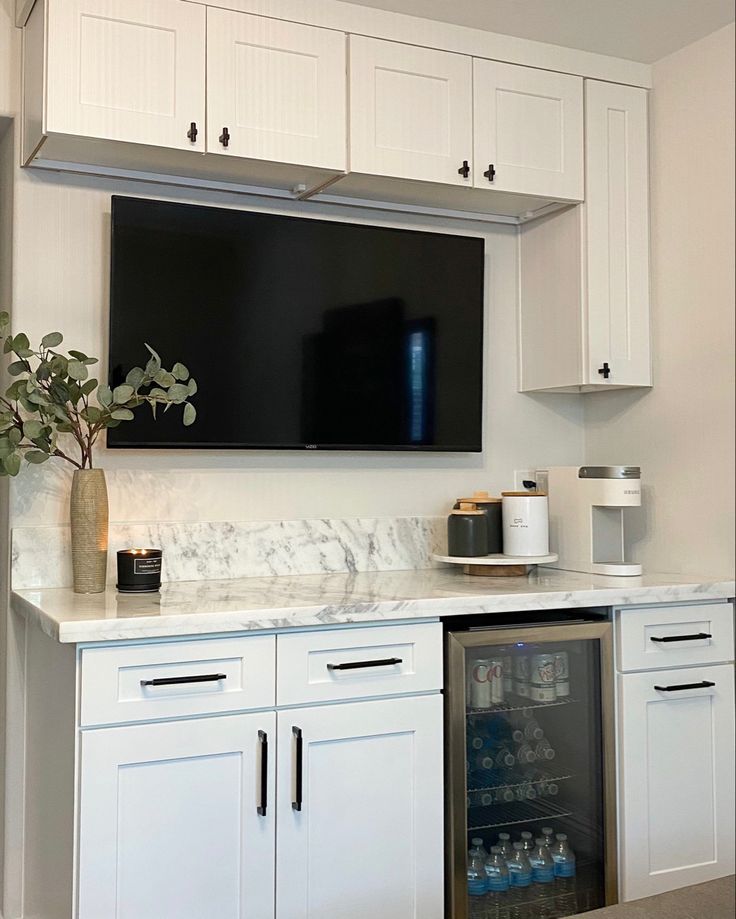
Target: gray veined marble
point(299, 601)
point(41, 556)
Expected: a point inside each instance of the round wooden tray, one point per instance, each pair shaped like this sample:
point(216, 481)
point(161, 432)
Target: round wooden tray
point(498, 566)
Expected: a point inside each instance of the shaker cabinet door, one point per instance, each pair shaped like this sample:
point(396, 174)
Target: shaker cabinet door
point(275, 90)
point(170, 826)
point(410, 112)
point(128, 70)
point(676, 768)
point(360, 800)
point(528, 130)
point(617, 212)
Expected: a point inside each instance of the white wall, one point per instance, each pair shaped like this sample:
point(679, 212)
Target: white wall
point(61, 252)
point(682, 431)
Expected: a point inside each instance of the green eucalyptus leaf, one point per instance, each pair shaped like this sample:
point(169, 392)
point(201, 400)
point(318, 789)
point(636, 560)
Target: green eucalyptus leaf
point(11, 462)
point(32, 429)
point(63, 427)
point(159, 394)
point(14, 390)
point(18, 367)
point(77, 370)
point(5, 447)
point(178, 392)
point(37, 397)
point(180, 372)
point(92, 414)
point(135, 377)
point(59, 365)
point(7, 348)
point(113, 423)
point(79, 355)
point(15, 435)
point(190, 414)
point(121, 394)
point(4, 319)
point(192, 387)
point(89, 387)
point(36, 457)
point(27, 404)
point(75, 393)
point(123, 414)
point(104, 396)
point(21, 343)
point(52, 340)
point(164, 378)
point(59, 392)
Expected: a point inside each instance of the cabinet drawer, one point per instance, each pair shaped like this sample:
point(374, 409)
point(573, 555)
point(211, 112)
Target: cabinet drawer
point(640, 632)
point(175, 679)
point(357, 663)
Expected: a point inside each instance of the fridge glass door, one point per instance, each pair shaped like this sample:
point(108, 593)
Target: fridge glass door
point(537, 766)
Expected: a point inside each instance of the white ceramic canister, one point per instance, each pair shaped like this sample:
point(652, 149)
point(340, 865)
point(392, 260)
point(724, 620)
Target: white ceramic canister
point(525, 523)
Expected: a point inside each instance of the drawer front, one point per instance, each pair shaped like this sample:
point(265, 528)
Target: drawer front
point(176, 679)
point(358, 663)
point(671, 636)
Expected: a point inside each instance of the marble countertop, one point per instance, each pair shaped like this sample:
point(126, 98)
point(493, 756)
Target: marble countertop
point(267, 603)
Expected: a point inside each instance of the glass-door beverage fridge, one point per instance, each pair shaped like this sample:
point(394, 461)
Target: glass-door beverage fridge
point(531, 819)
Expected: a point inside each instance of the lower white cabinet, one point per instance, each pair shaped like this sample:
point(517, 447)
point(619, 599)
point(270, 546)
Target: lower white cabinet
point(676, 746)
point(360, 806)
point(175, 822)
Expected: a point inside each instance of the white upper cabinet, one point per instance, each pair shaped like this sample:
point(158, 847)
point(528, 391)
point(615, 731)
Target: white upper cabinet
point(129, 70)
point(410, 112)
point(617, 212)
point(528, 130)
point(275, 90)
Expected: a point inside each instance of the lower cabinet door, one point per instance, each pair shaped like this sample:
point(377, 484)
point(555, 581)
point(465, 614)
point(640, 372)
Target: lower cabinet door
point(676, 735)
point(360, 811)
point(177, 820)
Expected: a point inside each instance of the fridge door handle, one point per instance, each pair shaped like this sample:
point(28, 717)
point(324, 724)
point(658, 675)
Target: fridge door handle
point(703, 684)
point(297, 798)
point(695, 637)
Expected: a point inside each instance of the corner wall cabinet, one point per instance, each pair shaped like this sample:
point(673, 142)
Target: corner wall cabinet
point(589, 329)
point(676, 746)
point(214, 782)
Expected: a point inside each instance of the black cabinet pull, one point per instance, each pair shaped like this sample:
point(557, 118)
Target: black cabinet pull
point(490, 173)
point(192, 132)
point(175, 680)
point(296, 804)
point(224, 138)
point(605, 370)
point(464, 170)
point(681, 637)
point(357, 665)
point(263, 743)
point(704, 684)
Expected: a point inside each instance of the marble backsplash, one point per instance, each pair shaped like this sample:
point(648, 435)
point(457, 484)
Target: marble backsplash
point(41, 556)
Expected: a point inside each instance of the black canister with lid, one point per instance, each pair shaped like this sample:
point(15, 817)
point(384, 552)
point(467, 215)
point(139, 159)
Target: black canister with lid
point(491, 507)
point(467, 531)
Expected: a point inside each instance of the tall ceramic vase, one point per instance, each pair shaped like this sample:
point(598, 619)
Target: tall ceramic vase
point(89, 517)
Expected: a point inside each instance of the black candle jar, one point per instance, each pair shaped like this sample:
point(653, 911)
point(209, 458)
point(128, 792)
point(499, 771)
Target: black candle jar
point(139, 570)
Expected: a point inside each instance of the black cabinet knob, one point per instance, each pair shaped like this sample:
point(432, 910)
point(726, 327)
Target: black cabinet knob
point(490, 173)
point(225, 137)
point(605, 370)
point(192, 132)
point(464, 170)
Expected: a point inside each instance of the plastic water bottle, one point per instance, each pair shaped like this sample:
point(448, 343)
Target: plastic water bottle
point(520, 871)
point(544, 750)
point(497, 872)
point(477, 878)
point(525, 754)
point(563, 857)
point(543, 867)
point(548, 835)
point(504, 844)
point(527, 840)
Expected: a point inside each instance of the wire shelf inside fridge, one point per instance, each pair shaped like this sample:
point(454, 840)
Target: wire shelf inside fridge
point(547, 775)
point(518, 704)
point(495, 815)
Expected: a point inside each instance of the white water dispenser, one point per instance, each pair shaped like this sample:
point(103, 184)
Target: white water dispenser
point(586, 516)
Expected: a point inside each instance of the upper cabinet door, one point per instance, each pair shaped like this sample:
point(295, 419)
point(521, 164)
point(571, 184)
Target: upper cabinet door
point(410, 112)
point(617, 212)
point(528, 130)
point(275, 90)
point(127, 70)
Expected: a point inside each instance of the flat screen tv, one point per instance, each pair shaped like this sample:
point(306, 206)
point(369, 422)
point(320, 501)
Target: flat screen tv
point(301, 333)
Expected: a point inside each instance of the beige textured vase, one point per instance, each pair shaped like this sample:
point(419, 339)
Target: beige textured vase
point(89, 516)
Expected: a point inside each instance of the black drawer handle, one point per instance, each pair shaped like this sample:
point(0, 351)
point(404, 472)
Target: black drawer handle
point(263, 743)
point(681, 637)
point(296, 803)
point(358, 665)
point(704, 684)
point(175, 680)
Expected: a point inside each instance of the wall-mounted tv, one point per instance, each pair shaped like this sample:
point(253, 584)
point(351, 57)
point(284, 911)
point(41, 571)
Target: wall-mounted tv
point(301, 333)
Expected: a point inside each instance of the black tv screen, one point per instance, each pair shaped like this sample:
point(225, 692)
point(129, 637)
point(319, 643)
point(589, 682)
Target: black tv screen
point(301, 333)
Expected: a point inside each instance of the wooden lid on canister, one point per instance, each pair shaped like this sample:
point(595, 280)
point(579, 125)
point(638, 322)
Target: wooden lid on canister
point(466, 507)
point(480, 497)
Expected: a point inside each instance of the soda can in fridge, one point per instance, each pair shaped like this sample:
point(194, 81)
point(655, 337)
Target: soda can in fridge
point(496, 680)
point(521, 675)
point(542, 678)
point(508, 673)
point(562, 674)
point(480, 685)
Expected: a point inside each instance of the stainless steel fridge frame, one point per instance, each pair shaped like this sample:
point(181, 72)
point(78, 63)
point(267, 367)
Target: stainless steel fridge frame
point(456, 643)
